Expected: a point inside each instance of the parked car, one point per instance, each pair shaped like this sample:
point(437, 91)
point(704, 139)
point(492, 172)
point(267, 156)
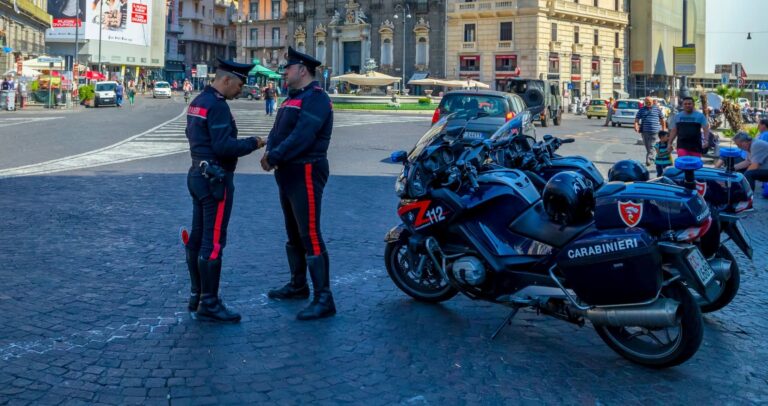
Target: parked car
point(250, 93)
point(597, 108)
point(105, 94)
point(625, 111)
point(161, 89)
point(542, 97)
point(492, 109)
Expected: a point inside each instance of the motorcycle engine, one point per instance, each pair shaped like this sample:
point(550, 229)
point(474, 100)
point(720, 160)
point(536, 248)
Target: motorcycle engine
point(469, 270)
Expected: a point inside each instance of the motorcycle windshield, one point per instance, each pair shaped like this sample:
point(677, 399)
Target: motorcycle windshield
point(510, 129)
point(435, 135)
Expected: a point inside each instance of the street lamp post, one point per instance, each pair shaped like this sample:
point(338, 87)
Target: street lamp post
point(101, 28)
point(247, 22)
point(406, 10)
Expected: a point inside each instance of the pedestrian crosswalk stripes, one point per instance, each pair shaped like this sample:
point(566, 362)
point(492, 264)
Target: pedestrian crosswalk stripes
point(169, 138)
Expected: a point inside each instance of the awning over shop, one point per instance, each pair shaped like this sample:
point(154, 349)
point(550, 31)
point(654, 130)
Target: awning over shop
point(174, 66)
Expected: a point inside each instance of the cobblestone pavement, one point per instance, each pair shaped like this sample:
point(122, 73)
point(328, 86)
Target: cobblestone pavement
point(95, 285)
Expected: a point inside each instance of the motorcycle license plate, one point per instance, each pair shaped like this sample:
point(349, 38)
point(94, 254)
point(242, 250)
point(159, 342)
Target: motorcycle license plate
point(473, 135)
point(701, 267)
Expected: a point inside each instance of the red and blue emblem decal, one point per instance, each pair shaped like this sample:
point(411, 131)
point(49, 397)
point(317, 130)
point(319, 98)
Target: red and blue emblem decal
point(631, 213)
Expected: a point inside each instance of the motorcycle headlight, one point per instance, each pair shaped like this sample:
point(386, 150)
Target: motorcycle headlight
point(400, 186)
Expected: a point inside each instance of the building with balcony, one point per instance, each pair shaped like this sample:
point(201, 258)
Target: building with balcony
point(580, 43)
point(401, 38)
point(22, 31)
point(200, 31)
point(262, 29)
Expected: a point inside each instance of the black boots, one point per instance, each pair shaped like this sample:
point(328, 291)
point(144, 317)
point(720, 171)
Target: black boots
point(194, 279)
point(322, 304)
point(211, 308)
point(297, 288)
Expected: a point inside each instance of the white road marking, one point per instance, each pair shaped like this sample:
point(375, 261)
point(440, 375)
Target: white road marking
point(7, 122)
point(169, 138)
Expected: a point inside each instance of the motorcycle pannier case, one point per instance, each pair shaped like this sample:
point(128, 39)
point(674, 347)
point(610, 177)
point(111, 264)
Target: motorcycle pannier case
point(612, 267)
point(719, 188)
point(655, 207)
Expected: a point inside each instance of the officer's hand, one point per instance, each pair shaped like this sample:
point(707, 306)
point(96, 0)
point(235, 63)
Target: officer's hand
point(260, 142)
point(264, 164)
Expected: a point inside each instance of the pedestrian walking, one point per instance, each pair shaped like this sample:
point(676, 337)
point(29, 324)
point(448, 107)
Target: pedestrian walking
point(756, 165)
point(663, 157)
point(215, 148)
point(690, 129)
point(649, 120)
point(609, 116)
point(131, 91)
point(119, 94)
point(269, 98)
point(297, 149)
point(22, 93)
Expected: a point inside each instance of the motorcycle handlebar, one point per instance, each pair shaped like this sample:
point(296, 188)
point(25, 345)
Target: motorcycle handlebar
point(567, 140)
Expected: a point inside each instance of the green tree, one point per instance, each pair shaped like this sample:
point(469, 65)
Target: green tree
point(731, 108)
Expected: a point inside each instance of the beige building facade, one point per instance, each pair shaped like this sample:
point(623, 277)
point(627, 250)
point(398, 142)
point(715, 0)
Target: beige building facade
point(580, 43)
point(262, 29)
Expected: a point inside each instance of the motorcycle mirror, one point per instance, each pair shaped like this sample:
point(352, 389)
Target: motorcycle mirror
point(398, 156)
point(548, 137)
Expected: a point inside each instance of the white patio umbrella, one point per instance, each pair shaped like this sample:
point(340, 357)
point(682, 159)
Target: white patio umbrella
point(425, 82)
point(25, 72)
point(368, 79)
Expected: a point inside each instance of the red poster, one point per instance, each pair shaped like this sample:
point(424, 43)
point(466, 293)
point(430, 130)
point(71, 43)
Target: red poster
point(139, 13)
point(66, 22)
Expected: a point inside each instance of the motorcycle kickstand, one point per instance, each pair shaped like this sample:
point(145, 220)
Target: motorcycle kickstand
point(507, 321)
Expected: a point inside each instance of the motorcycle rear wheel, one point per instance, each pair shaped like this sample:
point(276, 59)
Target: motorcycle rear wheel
point(645, 346)
point(427, 287)
point(728, 289)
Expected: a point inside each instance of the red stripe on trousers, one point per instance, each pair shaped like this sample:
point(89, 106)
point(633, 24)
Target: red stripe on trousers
point(217, 228)
point(312, 211)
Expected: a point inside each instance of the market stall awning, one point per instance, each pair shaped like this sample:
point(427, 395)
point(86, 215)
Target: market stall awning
point(368, 79)
point(264, 71)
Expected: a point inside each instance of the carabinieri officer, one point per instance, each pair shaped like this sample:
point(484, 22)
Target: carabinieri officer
point(214, 147)
point(297, 149)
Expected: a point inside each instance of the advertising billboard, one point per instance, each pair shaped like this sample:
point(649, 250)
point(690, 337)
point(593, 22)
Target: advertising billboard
point(65, 19)
point(126, 21)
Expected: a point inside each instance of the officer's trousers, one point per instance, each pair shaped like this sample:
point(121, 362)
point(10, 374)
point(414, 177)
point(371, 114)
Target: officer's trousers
point(209, 216)
point(301, 194)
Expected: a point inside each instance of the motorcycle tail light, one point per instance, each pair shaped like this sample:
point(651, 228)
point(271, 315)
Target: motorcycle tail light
point(436, 115)
point(742, 206)
point(692, 233)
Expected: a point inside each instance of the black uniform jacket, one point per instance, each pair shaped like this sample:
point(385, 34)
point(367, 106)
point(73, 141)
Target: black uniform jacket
point(212, 132)
point(302, 130)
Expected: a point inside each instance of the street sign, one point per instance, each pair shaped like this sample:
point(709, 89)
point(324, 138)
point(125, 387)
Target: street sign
point(202, 71)
point(742, 82)
point(194, 72)
point(684, 61)
point(720, 69)
point(325, 74)
point(48, 59)
point(725, 78)
point(762, 85)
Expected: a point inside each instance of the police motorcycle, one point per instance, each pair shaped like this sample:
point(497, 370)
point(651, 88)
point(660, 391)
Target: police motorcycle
point(727, 193)
point(488, 234)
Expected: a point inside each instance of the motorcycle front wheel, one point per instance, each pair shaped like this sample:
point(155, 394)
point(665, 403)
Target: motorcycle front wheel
point(660, 347)
point(425, 286)
point(728, 289)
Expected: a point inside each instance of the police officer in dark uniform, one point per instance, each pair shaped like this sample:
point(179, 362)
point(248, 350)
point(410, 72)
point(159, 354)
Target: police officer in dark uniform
point(214, 146)
point(297, 149)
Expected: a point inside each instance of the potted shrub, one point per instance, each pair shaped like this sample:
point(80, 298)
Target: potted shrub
point(87, 93)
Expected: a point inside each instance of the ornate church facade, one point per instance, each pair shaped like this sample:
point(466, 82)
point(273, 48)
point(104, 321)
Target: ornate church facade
point(399, 38)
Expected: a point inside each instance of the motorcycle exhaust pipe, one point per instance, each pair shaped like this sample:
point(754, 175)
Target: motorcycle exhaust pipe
point(661, 313)
point(721, 267)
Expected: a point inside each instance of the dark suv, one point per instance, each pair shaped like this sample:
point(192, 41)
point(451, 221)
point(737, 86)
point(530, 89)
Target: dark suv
point(487, 109)
point(541, 96)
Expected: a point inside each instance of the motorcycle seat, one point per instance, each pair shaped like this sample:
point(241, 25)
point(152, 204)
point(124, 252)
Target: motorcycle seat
point(535, 224)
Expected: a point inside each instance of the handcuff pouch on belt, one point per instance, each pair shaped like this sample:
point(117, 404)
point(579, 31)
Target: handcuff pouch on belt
point(216, 176)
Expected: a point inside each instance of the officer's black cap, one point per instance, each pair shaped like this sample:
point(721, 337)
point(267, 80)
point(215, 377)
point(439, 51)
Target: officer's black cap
point(238, 69)
point(293, 57)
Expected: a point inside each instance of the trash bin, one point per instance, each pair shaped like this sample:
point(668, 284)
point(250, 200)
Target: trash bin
point(3, 100)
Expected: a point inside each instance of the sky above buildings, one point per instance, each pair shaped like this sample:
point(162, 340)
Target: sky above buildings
point(728, 22)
